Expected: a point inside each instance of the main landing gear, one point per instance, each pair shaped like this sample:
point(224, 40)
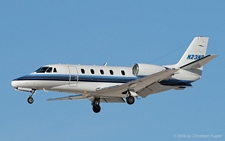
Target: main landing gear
point(130, 100)
point(96, 105)
point(130, 96)
point(30, 99)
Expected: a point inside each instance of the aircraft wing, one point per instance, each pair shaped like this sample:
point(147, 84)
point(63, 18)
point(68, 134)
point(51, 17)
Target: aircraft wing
point(136, 86)
point(71, 97)
point(141, 83)
point(199, 63)
point(80, 96)
point(111, 99)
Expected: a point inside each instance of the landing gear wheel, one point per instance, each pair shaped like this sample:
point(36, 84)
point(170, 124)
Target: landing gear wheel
point(96, 108)
point(130, 100)
point(30, 100)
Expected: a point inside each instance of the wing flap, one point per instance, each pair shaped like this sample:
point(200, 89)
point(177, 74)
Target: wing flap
point(80, 96)
point(149, 90)
point(112, 100)
point(71, 97)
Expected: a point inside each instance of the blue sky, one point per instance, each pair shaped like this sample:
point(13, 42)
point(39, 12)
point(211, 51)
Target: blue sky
point(36, 33)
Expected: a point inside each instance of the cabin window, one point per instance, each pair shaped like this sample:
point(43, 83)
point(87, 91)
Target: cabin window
point(122, 72)
point(102, 72)
point(49, 70)
point(54, 70)
point(83, 71)
point(111, 72)
point(92, 71)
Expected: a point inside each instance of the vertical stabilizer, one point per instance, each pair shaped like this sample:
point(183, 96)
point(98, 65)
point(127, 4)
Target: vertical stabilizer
point(195, 51)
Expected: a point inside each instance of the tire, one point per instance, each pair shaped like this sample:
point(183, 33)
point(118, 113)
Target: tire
point(30, 100)
point(130, 100)
point(96, 108)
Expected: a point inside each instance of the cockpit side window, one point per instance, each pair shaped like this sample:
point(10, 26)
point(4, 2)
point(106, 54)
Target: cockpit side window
point(49, 70)
point(54, 70)
point(41, 70)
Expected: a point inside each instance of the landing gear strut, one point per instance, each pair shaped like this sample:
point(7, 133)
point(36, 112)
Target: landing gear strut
point(96, 107)
point(30, 99)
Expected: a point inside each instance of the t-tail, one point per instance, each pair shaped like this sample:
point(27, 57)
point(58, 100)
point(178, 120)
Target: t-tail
point(195, 56)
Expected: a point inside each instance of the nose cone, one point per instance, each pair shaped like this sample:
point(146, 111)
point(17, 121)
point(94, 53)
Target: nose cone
point(14, 83)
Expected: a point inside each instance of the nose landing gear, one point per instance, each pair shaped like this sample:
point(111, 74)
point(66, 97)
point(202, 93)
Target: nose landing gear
point(30, 99)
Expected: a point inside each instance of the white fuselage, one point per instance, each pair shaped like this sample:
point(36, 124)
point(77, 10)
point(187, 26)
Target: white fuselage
point(87, 79)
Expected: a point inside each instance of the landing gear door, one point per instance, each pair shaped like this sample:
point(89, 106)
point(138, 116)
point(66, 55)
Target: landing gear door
point(73, 76)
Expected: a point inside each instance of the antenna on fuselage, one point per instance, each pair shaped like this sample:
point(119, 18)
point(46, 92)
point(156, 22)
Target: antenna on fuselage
point(105, 64)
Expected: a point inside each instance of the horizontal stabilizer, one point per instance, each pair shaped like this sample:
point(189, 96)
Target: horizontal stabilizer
point(199, 63)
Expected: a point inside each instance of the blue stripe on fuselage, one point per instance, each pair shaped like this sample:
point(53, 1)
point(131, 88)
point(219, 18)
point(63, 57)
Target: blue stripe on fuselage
point(84, 78)
point(51, 77)
point(94, 78)
point(109, 79)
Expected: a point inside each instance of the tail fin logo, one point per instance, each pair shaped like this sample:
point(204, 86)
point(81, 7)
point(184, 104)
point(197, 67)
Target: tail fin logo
point(194, 57)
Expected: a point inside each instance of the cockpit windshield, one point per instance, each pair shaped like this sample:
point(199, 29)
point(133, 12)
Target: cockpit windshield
point(41, 70)
point(46, 70)
point(49, 70)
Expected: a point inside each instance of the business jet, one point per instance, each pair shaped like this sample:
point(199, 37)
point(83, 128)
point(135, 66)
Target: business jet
point(116, 83)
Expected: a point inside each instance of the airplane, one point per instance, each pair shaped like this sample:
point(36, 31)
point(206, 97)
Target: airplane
point(116, 83)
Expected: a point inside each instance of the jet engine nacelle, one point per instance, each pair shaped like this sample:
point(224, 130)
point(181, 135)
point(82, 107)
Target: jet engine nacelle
point(146, 69)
